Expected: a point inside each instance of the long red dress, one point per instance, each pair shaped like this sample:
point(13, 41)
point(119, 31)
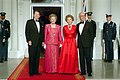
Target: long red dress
point(69, 55)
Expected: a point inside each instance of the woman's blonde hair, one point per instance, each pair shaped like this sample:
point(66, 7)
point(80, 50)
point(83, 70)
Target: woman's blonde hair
point(52, 15)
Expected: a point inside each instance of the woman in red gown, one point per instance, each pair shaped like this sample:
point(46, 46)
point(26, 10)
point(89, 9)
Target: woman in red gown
point(69, 54)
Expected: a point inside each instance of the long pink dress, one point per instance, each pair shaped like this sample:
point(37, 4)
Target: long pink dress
point(52, 40)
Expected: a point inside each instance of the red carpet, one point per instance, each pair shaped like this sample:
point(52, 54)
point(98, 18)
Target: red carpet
point(21, 73)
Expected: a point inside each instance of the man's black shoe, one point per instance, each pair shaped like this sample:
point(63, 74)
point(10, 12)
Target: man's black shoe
point(105, 60)
point(91, 59)
point(1, 61)
point(89, 74)
point(109, 61)
point(82, 73)
point(38, 73)
point(30, 74)
point(6, 59)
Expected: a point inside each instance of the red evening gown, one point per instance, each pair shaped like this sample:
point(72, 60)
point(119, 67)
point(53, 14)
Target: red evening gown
point(69, 54)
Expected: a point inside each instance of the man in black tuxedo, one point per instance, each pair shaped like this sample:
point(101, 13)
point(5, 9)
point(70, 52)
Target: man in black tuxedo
point(92, 23)
point(85, 42)
point(109, 35)
point(34, 33)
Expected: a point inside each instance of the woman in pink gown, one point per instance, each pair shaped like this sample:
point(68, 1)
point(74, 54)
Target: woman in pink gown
point(69, 53)
point(52, 42)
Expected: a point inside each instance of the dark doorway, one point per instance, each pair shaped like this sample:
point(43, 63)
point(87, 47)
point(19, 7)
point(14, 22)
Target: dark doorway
point(40, 1)
point(46, 11)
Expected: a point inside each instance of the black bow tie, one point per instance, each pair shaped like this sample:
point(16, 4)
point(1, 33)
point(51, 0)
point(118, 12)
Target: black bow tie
point(37, 20)
point(81, 22)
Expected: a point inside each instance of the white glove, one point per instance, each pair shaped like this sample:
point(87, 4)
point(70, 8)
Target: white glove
point(44, 46)
point(29, 43)
point(42, 43)
point(3, 40)
point(60, 45)
point(103, 41)
point(112, 40)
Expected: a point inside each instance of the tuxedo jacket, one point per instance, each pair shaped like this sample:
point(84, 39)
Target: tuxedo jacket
point(32, 34)
point(86, 38)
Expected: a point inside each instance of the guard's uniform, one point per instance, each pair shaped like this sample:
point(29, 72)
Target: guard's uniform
point(109, 34)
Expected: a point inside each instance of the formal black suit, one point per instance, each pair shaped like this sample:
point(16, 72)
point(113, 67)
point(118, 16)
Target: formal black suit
point(85, 42)
point(109, 34)
point(37, 38)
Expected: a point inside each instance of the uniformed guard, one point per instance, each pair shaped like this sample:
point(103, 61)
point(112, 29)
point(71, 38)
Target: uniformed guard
point(2, 35)
point(92, 23)
point(109, 35)
point(5, 24)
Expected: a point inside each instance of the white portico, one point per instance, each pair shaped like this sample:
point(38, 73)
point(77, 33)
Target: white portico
point(19, 11)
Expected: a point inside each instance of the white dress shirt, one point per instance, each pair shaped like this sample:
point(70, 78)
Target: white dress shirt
point(38, 25)
point(81, 26)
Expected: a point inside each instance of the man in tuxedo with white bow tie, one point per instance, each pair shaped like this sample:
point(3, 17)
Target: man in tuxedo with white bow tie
point(34, 33)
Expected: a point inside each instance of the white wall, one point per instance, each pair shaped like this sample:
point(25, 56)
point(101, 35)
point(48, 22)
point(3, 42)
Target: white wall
point(99, 9)
point(18, 12)
point(115, 5)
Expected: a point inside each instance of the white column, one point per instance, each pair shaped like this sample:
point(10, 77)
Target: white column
point(73, 9)
point(1, 5)
point(66, 10)
point(23, 16)
point(19, 14)
point(89, 5)
point(99, 9)
point(6, 7)
point(70, 7)
point(116, 18)
point(14, 30)
point(10, 7)
point(79, 9)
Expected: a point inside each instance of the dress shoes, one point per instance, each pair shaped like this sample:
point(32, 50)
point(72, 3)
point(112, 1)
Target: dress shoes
point(82, 73)
point(31, 74)
point(6, 59)
point(109, 61)
point(89, 74)
point(105, 60)
point(38, 73)
point(91, 59)
point(1, 61)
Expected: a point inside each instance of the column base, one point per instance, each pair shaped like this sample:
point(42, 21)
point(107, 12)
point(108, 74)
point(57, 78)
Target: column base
point(16, 54)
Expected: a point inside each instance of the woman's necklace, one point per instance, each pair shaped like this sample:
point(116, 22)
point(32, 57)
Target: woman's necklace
point(69, 27)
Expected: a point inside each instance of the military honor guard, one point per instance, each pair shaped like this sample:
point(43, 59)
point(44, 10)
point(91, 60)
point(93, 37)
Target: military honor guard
point(92, 23)
point(109, 35)
point(4, 36)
